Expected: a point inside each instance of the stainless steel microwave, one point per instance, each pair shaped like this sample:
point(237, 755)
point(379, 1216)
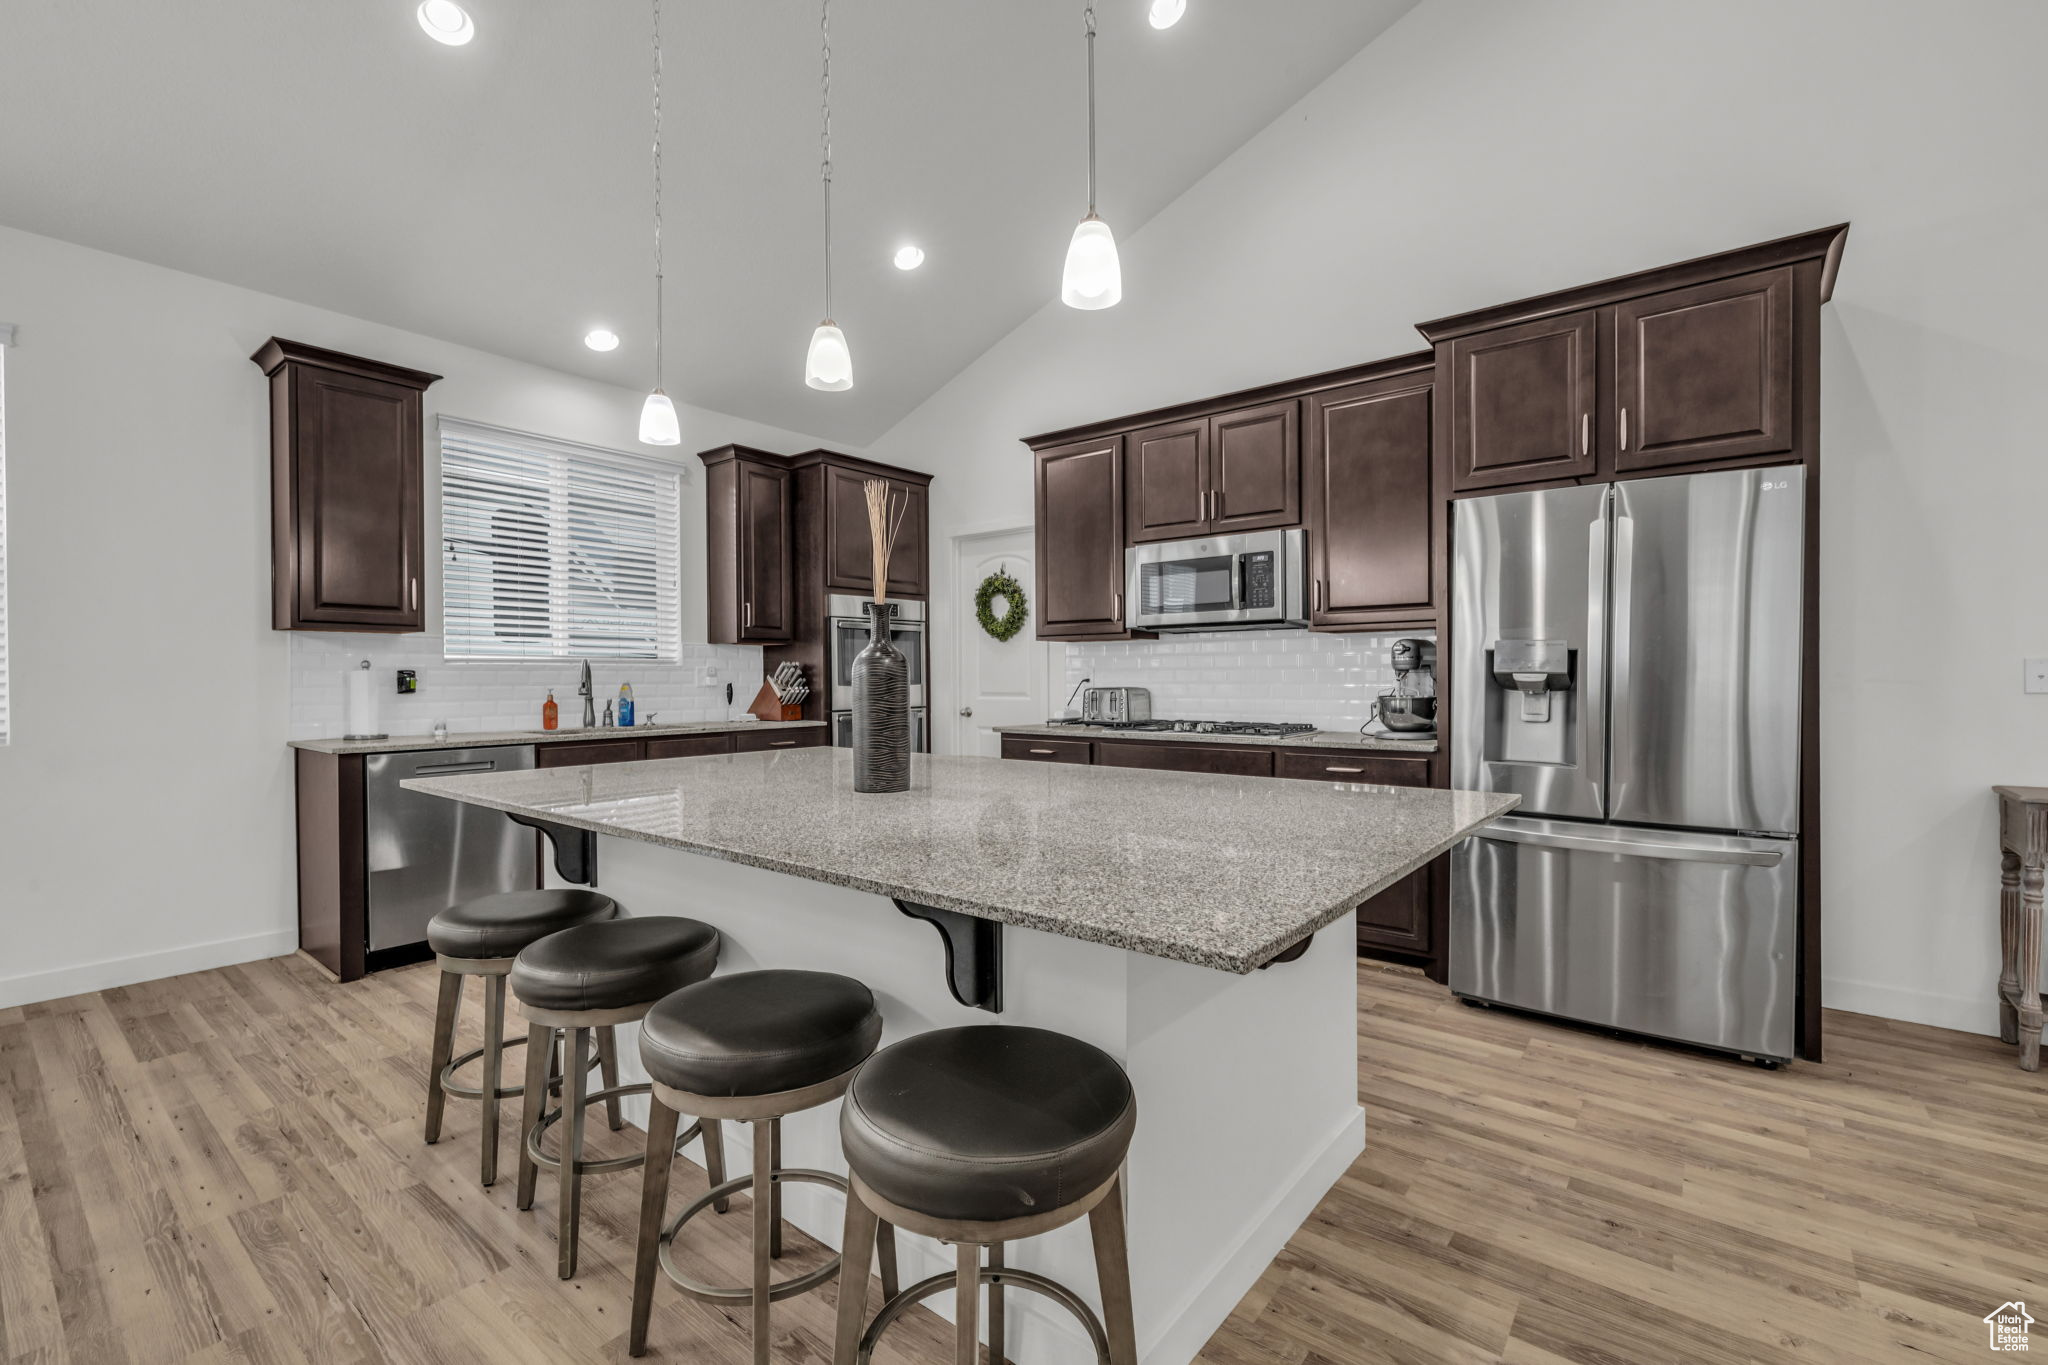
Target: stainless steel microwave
point(1240, 582)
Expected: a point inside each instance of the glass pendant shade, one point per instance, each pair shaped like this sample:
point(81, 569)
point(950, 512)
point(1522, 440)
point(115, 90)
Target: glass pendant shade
point(658, 425)
point(829, 365)
point(1093, 278)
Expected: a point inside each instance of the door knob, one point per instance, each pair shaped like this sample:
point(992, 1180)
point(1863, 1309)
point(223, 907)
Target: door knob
point(966, 710)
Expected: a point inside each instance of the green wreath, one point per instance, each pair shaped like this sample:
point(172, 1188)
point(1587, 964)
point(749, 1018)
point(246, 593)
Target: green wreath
point(1000, 584)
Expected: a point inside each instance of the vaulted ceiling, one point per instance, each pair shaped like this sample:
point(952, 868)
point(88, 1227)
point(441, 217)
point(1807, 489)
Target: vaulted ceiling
point(497, 194)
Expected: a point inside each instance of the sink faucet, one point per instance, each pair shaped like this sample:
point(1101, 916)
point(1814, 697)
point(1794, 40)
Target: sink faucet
point(589, 699)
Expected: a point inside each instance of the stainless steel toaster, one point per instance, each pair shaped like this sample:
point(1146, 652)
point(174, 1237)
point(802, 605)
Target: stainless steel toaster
point(1115, 705)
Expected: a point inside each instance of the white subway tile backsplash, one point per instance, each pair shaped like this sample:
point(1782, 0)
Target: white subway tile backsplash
point(474, 697)
point(1329, 681)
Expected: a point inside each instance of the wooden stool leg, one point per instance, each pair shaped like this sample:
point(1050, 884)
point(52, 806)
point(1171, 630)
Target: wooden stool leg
point(2008, 946)
point(775, 1192)
point(661, 1147)
point(995, 1307)
point(1113, 1273)
point(493, 1071)
point(856, 1249)
point(575, 1067)
point(2029, 1001)
point(540, 1056)
point(764, 1206)
point(608, 1072)
point(445, 1011)
point(714, 1161)
point(885, 1243)
point(967, 1304)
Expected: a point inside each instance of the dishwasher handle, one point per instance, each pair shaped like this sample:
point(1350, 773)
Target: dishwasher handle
point(451, 769)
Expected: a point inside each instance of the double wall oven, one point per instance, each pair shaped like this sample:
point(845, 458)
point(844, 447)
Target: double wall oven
point(847, 633)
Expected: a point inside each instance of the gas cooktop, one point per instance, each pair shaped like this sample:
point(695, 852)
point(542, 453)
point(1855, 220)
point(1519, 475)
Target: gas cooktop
point(1199, 727)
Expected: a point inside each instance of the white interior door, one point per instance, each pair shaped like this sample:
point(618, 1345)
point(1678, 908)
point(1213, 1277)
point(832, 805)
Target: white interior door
point(1001, 682)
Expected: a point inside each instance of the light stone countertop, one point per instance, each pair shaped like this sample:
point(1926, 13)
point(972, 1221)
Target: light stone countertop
point(478, 739)
point(1306, 739)
point(1223, 872)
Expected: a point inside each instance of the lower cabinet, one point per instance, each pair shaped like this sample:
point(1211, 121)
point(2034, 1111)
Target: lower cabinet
point(762, 741)
point(596, 751)
point(1035, 750)
point(689, 746)
point(1231, 760)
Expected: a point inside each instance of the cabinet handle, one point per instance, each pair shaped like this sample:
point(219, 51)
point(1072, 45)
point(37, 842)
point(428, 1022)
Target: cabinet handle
point(1117, 612)
point(750, 613)
point(1044, 751)
point(1624, 428)
point(1319, 594)
point(782, 744)
point(1333, 768)
point(1585, 433)
point(1216, 505)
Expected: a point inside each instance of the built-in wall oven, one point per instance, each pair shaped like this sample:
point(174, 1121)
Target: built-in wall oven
point(1244, 582)
point(848, 632)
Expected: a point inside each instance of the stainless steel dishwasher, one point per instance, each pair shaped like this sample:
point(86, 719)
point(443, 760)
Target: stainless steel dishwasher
point(426, 853)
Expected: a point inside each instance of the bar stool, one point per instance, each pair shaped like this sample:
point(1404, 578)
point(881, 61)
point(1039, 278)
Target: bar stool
point(980, 1136)
point(592, 978)
point(480, 938)
point(753, 1046)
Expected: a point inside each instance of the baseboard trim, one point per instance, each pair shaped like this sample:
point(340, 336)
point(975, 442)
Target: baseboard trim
point(1966, 1014)
point(31, 988)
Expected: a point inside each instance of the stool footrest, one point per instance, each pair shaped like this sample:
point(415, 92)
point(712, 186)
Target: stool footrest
point(610, 1163)
point(1008, 1277)
point(786, 1289)
point(476, 1092)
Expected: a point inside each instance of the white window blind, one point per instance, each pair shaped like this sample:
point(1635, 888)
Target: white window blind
point(6, 339)
point(556, 550)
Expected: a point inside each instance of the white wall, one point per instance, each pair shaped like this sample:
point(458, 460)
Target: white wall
point(1481, 152)
point(146, 800)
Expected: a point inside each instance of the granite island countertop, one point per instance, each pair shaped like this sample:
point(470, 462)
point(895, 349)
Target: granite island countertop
point(1223, 872)
point(1306, 739)
point(475, 739)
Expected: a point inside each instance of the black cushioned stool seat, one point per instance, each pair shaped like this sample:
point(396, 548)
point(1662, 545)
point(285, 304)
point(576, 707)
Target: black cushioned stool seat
point(584, 981)
point(980, 1136)
point(501, 925)
point(479, 938)
point(753, 1046)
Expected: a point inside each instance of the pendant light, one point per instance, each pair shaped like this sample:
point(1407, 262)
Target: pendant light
point(828, 364)
point(1093, 278)
point(658, 425)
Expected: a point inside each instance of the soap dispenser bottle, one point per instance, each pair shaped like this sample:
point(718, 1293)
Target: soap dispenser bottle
point(550, 714)
point(625, 706)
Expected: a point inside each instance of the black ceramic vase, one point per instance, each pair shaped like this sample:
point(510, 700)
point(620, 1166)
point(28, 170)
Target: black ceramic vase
point(881, 708)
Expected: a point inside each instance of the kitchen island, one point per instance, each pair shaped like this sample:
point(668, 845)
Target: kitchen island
point(1169, 918)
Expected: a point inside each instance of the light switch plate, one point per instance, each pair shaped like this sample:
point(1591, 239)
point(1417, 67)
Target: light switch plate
point(2037, 675)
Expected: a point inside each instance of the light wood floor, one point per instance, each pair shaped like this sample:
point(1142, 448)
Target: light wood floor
point(227, 1167)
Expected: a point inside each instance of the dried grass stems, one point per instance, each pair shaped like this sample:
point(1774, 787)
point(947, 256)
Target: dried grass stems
point(884, 521)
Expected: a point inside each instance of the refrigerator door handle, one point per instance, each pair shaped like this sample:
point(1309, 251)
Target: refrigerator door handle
point(1621, 665)
point(1593, 683)
point(1631, 847)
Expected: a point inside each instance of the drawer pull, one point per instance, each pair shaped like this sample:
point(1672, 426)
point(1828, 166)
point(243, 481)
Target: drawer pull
point(1334, 768)
point(1045, 751)
point(782, 744)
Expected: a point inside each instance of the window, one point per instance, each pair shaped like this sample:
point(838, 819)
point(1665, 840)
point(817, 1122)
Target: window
point(553, 550)
point(6, 340)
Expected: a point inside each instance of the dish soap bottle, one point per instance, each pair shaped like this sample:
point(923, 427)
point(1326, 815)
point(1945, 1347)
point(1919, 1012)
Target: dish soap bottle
point(550, 714)
point(625, 706)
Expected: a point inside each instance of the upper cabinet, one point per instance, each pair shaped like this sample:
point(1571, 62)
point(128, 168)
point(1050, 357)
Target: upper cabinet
point(1704, 373)
point(1215, 475)
point(347, 523)
point(1522, 401)
point(1080, 561)
point(1370, 510)
point(849, 549)
point(747, 538)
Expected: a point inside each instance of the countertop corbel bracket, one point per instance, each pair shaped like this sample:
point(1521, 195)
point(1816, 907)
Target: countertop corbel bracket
point(1289, 953)
point(974, 954)
point(575, 849)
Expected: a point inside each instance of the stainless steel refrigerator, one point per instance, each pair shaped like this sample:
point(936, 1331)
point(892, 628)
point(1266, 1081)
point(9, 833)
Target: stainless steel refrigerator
point(1626, 657)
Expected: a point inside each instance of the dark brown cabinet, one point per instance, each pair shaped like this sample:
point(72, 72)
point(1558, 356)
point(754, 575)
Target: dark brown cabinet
point(849, 549)
point(689, 746)
point(1034, 749)
point(1371, 513)
point(1217, 475)
point(581, 754)
point(347, 527)
point(1704, 373)
point(1379, 769)
point(1523, 401)
point(1079, 506)
point(1230, 760)
point(747, 537)
point(764, 741)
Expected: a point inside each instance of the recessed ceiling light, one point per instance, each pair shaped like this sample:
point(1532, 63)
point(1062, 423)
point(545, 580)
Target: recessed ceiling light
point(1167, 13)
point(909, 257)
point(446, 22)
point(601, 339)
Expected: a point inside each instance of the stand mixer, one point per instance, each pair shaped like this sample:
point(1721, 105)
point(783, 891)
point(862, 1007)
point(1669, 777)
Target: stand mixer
point(1409, 711)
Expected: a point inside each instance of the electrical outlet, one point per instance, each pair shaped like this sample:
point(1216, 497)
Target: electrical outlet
point(2037, 675)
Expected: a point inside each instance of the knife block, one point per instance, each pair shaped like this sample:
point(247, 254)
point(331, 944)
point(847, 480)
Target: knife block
point(767, 705)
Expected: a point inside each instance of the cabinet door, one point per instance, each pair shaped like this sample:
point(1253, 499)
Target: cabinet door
point(1398, 917)
point(764, 553)
point(1255, 468)
point(1323, 766)
point(1036, 749)
point(578, 755)
point(762, 741)
point(1704, 373)
point(1370, 514)
point(849, 546)
point(1231, 760)
point(1522, 402)
point(909, 560)
point(1079, 505)
point(357, 524)
point(1167, 481)
point(689, 746)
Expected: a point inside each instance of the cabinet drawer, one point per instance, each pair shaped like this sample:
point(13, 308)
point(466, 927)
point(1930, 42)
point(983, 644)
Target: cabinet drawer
point(762, 741)
point(689, 746)
point(1382, 769)
point(598, 751)
point(1228, 760)
point(1038, 750)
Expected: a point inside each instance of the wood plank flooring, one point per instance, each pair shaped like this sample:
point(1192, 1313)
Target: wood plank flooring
point(226, 1167)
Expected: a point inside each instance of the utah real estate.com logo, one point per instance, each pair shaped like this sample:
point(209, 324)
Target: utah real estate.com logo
point(2008, 1325)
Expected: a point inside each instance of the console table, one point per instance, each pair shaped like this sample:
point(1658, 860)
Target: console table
point(2023, 850)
